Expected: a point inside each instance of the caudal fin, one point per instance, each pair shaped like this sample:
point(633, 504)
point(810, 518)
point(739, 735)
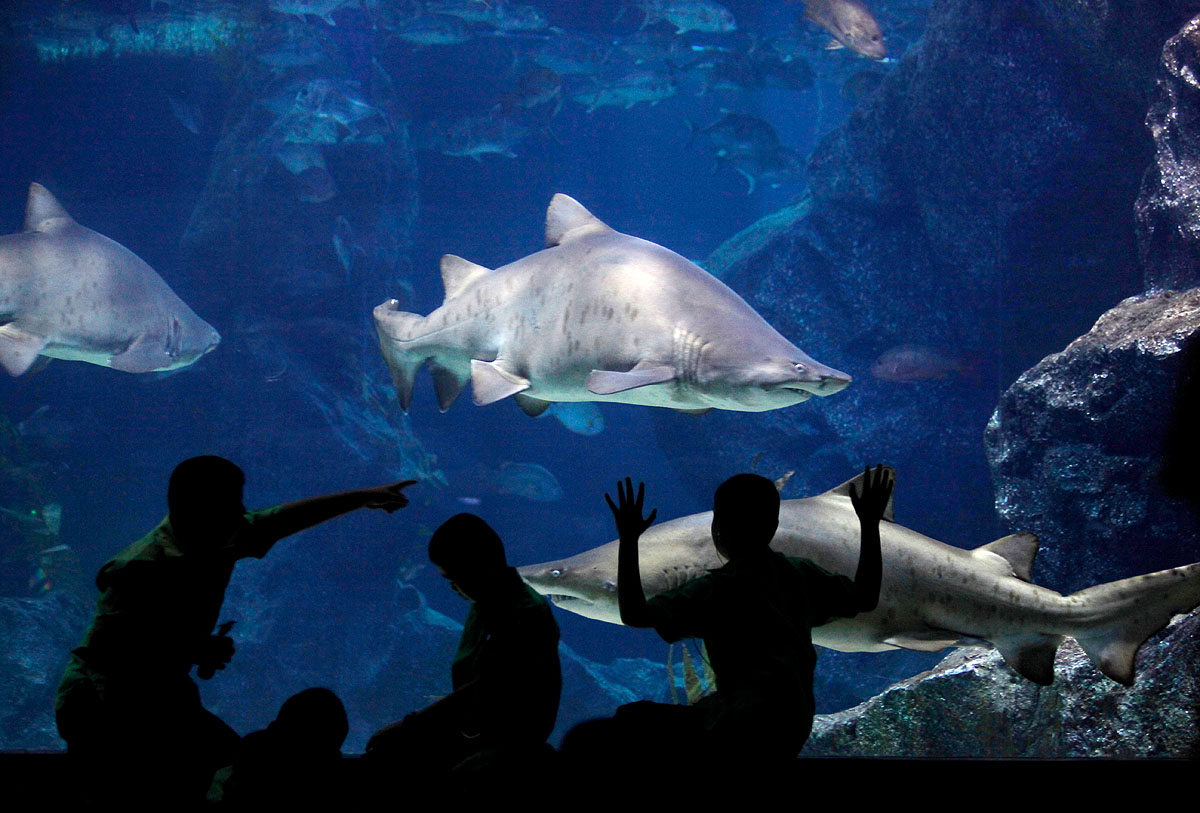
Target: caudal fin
point(1130, 611)
point(395, 329)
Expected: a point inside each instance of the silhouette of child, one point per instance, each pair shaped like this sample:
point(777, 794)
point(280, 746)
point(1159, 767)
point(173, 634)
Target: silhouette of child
point(126, 698)
point(755, 614)
point(292, 763)
point(506, 673)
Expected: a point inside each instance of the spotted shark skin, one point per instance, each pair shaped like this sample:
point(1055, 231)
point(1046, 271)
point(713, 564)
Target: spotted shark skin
point(67, 292)
point(597, 316)
point(932, 596)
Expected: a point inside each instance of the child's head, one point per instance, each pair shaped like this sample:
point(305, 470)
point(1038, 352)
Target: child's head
point(468, 552)
point(745, 515)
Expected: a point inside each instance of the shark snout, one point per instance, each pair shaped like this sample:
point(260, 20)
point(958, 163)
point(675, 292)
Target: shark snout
point(561, 584)
point(816, 378)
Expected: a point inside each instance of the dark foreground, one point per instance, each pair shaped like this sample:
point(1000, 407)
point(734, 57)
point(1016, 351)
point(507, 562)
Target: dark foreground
point(39, 780)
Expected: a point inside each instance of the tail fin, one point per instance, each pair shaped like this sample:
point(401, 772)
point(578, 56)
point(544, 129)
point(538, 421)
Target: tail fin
point(396, 328)
point(1130, 611)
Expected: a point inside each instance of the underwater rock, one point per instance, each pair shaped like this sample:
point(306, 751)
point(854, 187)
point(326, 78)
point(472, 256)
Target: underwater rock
point(1077, 446)
point(38, 634)
point(972, 705)
point(1168, 208)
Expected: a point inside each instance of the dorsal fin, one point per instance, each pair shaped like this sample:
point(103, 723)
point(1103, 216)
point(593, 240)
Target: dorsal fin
point(458, 273)
point(844, 491)
point(1018, 550)
point(567, 219)
point(41, 208)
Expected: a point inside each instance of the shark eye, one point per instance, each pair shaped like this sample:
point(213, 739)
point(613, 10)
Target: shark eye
point(556, 572)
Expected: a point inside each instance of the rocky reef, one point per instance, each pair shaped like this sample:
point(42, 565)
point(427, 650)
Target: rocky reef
point(1078, 444)
point(973, 705)
point(38, 634)
point(1168, 208)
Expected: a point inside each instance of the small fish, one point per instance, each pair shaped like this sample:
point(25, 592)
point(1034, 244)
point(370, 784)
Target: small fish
point(529, 480)
point(689, 15)
point(496, 14)
point(573, 54)
point(911, 363)
point(628, 90)
point(774, 167)
point(187, 114)
point(478, 136)
point(581, 417)
point(472, 501)
point(851, 24)
point(302, 8)
point(780, 482)
point(536, 87)
point(735, 134)
point(435, 29)
point(46, 520)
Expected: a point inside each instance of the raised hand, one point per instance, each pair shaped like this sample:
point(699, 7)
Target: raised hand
point(627, 511)
point(877, 488)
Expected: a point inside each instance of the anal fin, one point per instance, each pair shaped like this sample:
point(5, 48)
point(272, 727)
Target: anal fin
point(1032, 656)
point(490, 382)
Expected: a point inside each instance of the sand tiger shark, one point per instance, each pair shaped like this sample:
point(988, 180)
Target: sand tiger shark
point(933, 595)
point(67, 292)
point(597, 316)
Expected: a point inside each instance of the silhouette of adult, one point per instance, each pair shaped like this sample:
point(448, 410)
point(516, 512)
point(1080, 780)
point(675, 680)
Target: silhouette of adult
point(755, 614)
point(506, 673)
point(126, 706)
point(293, 763)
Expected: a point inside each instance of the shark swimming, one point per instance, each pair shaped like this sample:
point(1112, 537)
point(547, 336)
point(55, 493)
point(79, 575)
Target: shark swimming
point(933, 595)
point(67, 292)
point(597, 316)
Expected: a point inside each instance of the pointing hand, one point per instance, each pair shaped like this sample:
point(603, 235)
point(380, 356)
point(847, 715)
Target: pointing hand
point(390, 497)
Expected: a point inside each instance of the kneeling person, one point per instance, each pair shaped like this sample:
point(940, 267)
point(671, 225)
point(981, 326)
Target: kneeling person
point(506, 673)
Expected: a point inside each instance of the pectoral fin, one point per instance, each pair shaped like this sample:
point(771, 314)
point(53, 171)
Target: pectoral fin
point(930, 640)
point(144, 355)
point(490, 382)
point(607, 382)
point(19, 349)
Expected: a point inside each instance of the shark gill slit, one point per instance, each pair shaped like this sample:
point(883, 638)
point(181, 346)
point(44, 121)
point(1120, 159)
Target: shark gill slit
point(685, 355)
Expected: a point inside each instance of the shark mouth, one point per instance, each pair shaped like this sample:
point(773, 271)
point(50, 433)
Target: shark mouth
point(826, 385)
point(561, 600)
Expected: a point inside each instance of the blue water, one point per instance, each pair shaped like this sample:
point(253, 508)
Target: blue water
point(101, 135)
